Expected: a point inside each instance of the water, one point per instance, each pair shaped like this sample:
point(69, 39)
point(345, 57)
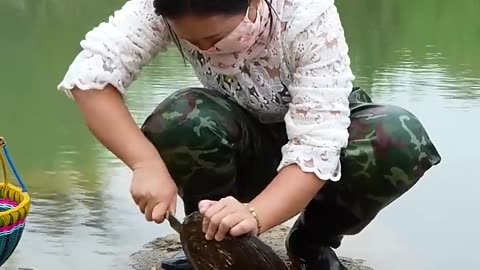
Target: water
point(422, 55)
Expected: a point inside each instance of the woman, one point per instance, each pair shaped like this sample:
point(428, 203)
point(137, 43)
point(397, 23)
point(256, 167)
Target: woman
point(278, 129)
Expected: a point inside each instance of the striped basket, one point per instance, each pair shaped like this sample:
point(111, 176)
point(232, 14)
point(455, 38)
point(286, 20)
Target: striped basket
point(14, 205)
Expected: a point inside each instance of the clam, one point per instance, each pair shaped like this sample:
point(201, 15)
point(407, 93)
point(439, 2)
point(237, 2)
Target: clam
point(245, 252)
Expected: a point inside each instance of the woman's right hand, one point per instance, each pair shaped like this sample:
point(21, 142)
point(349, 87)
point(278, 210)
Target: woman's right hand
point(154, 190)
point(108, 118)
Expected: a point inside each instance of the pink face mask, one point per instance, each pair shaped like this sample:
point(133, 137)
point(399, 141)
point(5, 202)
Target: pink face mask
point(227, 55)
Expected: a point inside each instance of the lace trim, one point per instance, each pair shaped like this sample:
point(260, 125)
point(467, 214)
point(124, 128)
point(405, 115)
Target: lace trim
point(323, 162)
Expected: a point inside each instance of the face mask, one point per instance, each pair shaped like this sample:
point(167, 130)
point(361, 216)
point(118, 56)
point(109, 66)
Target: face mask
point(227, 55)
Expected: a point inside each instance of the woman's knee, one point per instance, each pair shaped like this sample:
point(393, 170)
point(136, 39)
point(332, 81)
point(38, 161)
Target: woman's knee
point(188, 118)
point(389, 151)
point(395, 143)
point(189, 129)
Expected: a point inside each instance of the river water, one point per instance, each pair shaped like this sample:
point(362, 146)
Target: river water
point(423, 55)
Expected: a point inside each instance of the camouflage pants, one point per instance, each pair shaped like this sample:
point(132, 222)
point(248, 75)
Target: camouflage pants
point(214, 148)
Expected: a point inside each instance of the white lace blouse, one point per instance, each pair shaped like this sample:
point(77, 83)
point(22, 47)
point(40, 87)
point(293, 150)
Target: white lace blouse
point(302, 77)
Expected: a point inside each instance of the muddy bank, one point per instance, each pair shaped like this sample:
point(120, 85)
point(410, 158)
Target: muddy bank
point(153, 253)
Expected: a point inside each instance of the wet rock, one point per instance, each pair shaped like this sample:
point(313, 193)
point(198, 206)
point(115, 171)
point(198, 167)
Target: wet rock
point(154, 252)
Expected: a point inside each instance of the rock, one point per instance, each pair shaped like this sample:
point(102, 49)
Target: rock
point(154, 252)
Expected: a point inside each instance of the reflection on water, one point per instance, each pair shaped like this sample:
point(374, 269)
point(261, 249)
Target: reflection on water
point(159, 79)
point(405, 52)
point(407, 75)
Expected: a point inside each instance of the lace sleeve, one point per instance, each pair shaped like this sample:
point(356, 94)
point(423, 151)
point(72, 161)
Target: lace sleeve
point(318, 117)
point(115, 52)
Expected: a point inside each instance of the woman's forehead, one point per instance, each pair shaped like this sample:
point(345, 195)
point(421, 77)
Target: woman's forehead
point(195, 27)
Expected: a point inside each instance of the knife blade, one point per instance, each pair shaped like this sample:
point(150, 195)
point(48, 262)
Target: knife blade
point(174, 222)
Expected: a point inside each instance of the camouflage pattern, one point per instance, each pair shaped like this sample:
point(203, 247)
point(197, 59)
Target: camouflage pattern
point(214, 148)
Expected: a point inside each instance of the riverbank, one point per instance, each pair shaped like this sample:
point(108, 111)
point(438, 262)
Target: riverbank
point(154, 252)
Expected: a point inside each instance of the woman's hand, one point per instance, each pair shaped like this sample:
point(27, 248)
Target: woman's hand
point(226, 216)
point(153, 190)
point(108, 118)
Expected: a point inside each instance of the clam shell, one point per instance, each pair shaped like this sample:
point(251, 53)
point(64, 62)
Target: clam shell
point(233, 253)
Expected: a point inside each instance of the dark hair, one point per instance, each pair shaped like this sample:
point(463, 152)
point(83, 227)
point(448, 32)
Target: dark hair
point(180, 8)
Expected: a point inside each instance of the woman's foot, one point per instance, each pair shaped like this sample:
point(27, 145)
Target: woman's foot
point(326, 259)
point(306, 255)
point(178, 262)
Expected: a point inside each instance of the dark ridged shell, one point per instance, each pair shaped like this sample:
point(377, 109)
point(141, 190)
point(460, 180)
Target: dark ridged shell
point(233, 253)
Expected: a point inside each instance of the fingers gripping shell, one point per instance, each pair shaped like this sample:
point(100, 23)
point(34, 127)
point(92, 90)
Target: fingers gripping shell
point(233, 253)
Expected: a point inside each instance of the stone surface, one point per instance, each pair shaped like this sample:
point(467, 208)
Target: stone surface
point(154, 252)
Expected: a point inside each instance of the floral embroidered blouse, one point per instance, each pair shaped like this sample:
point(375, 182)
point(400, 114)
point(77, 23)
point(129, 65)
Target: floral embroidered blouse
point(301, 76)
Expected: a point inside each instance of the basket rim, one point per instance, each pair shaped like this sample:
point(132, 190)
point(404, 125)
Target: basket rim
point(25, 202)
point(20, 225)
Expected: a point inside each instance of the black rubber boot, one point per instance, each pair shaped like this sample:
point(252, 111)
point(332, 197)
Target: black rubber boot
point(312, 254)
point(178, 262)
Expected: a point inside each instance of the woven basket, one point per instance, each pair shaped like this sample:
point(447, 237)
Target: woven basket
point(14, 205)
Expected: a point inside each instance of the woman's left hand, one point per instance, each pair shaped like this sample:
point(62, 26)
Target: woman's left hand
point(227, 215)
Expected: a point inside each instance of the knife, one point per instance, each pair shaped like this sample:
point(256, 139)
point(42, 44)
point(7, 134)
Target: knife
point(174, 222)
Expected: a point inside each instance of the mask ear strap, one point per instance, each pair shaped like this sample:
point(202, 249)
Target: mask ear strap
point(174, 38)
